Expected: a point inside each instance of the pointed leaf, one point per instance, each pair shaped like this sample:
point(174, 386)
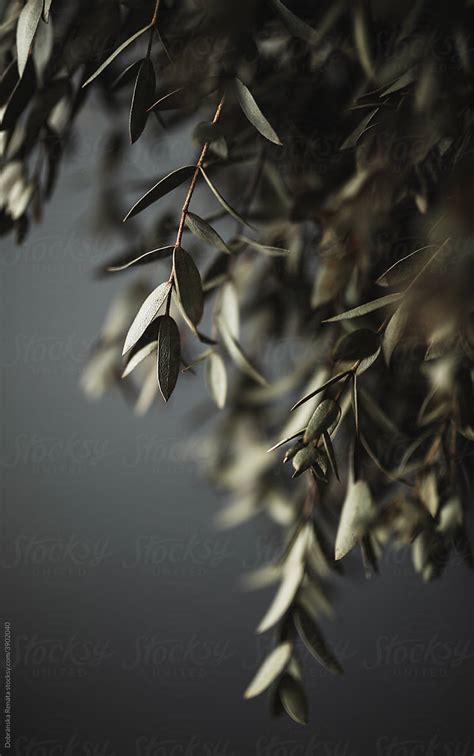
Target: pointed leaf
point(296, 26)
point(147, 257)
point(329, 449)
point(330, 382)
point(202, 230)
point(393, 332)
point(286, 440)
point(163, 187)
point(314, 641)
point(356, 512)
point(238, 355)
point(293, 699)
point(364, 309)
point(271, 668)
point(217, 379)
point(28, 21)
point(147, 312)
point(143, 92)
point(188, 285)
point(116, 52)
point(284, 596)
point(224, 202)
point(357, 345)
point(169, 355)
point(139, 356)
point(324, 418)
point(405, 269)
point(254, 114)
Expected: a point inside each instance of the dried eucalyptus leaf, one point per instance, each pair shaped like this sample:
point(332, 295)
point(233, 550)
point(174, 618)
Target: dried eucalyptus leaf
point(324, 418)
point(163, 187)
point(188, 285)
point(169, 355)
point(26, 29)
point(293, 699)
point(254, 114)
point(357, 345)
point(203, 231)
point(314, 641)
point(356, 512)
point(116, 52)
point(147, 312)
point(272, 667)
point(364, 309)
point(142, 95)
point(283, 599)
point(217, 379)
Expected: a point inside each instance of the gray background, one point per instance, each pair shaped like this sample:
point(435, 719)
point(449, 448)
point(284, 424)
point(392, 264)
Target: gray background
point(131, 635)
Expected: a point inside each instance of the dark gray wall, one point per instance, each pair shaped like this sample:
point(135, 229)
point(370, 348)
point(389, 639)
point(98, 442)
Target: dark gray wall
point(130, 633)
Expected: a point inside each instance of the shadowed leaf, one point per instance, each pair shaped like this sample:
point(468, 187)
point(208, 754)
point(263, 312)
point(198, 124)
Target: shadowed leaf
point(168, 355)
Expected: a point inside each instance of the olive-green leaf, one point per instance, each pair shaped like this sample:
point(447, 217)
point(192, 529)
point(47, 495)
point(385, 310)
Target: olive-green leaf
point(217, 379)
point(314, 641)
point(224, 202)
point(304, 459)
point(147, 257)
point(356, 512)
point(168, 355)
point(254, 114)
point(272, 667)
point(324, 418)
point(393, 332)
point(357, 345)
point(329, 449)
point(116, 52)
point(238, 355)
point(139, 356)
point(28, 21)
point(293, 699)
point(283, 599)
point(265, 248)
point(295, 25)
point(364, 309)
point(188, 285)
point(407, 267)
point(163, 187)
point(203, 231)
point(143, 92)
point(330, 382)
point(147, 312)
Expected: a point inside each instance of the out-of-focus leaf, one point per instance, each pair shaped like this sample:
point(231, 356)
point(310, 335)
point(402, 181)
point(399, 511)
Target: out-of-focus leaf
point(314, 641)
point(356, 512)
point(202, 230)
point(363, 37)
point(364, 309)
point(405, 269)
point(147, 312)
point(229, 309)
point(142, 95)
point(163, 187)
point(295, 25)
point(357, 345)
point(271, 668)
point(116, 52)
point(238, 355)
point(47, 10)
point(267, 250)
point(254, 114)
point(168, 355)
point(139, 356)
point(324, 418)
point(217, 379)
point(293, 699)
point(26, 29)
point(188, 285)
point(284, 596)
